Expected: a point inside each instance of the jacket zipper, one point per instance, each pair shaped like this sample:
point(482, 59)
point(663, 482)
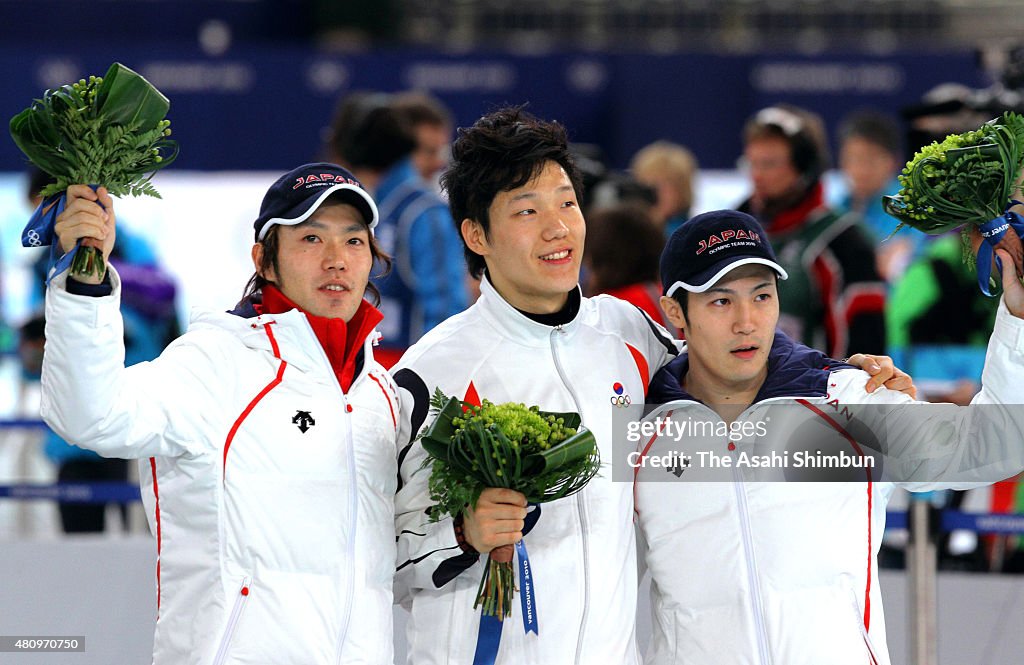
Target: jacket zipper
point(580, 506)
point(353, 494)
point(236, 613)
point(354, 500)
point(748, 545)
point(748, 552)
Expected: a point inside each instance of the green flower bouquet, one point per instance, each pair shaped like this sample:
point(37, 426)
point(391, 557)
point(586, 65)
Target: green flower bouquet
point(545, 456)
point(107, 131)
point(968, 180)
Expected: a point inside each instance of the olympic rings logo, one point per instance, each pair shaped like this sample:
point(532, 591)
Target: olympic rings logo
point(621, 400)
point(33, 238)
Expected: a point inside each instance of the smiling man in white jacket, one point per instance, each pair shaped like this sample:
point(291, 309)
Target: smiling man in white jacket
point(532, 338)
point(265, 435)
point(746, 572)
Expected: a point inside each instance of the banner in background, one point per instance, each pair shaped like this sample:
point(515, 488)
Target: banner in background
point(267, 108)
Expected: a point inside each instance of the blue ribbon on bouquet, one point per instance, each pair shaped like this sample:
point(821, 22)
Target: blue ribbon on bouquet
point(526, 598)
point(993, 231)
point(39, 232)
point(488, 638)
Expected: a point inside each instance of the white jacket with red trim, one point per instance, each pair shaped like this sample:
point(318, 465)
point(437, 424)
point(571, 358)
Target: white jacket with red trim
point(785, 573)
point(270, 492)
point(582, 550)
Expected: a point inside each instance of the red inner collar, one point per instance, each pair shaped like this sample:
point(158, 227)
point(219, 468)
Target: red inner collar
point(794, 217)
point(342, 341)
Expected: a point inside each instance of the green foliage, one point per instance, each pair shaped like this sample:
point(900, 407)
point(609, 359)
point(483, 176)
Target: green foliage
point(967, 178)
point(546, 456)
point(108, 131)
point(506, 445)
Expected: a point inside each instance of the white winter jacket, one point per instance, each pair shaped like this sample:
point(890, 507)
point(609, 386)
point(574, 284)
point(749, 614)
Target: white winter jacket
point(785, 573)
point(270, 492)
point(582, 549)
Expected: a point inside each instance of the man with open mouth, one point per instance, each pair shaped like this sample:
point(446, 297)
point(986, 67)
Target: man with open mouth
point(763, 550)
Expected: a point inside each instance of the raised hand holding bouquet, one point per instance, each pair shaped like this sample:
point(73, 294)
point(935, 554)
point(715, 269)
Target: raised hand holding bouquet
point(110, 132)
point(969, 180)
point(545, 456)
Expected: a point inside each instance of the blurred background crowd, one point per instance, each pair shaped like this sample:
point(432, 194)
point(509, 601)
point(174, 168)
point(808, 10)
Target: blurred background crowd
point(800, 112)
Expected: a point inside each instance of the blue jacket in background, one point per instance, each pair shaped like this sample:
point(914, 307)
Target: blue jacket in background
point(427, 280)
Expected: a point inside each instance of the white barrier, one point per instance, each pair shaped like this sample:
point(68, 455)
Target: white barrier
point(103, 587)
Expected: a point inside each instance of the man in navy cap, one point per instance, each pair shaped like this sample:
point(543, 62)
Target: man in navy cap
point(773, 572)
point(532, 337)
point(266, 435)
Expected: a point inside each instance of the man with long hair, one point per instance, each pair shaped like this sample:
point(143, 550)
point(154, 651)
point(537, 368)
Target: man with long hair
point(265, 435)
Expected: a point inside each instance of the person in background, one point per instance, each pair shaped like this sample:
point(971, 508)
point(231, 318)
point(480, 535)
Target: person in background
point(432, 126)
point(428, 283)
point(150, 316)
point(834, 299)
point(938, 324)
point(670, 170)
point(74, 464)
point(937, 303)
point(870, 159)
point(265, 435)
point(623, 248)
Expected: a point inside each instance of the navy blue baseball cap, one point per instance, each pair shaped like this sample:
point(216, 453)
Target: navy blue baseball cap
point(706, 247)
point(296, 195)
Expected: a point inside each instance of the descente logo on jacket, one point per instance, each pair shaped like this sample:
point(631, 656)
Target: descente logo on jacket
point(303, 420)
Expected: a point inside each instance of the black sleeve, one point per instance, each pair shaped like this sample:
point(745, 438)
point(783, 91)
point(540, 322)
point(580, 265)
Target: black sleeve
point(76, 288)
point(861, 306)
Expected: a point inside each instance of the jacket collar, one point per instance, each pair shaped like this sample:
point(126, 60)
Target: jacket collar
point(300, 339)
point(779, 218)
point(794, 370)
point(341, 340)
point(513, 324)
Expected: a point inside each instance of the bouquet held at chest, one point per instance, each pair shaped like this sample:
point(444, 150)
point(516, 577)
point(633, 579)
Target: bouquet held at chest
point(969, 180)
point(545, 456)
